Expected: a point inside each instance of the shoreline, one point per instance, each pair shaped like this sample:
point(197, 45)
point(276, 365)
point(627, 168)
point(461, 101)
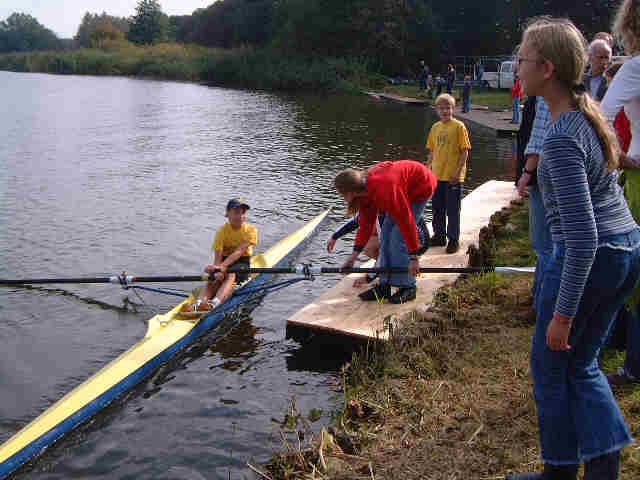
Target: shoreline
point(450, 394)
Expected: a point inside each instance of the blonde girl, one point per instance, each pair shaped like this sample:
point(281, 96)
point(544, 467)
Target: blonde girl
point(594, 265)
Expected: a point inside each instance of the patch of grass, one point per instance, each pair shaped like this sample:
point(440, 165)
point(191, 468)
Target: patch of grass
point(496, 100)
point(450, 394)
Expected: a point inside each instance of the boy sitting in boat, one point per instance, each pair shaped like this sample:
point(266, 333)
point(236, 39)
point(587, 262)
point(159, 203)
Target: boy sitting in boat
point(233, 245)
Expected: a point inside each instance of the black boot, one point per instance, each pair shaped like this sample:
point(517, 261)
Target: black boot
point(438, 241)
point(604, 467)
point(379, 292)
point(551, 472)
point(403, 295)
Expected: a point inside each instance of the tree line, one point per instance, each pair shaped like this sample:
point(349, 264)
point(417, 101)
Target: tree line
point(390, 35)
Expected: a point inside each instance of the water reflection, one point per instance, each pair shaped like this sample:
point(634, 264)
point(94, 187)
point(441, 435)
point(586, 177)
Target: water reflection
point(118, 174)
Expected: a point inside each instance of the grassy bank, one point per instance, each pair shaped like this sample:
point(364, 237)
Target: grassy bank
point(450, 396)
point(496, 100)
point(242, 67)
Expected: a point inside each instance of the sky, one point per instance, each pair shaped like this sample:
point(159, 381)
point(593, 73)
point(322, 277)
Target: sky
point(63, 17)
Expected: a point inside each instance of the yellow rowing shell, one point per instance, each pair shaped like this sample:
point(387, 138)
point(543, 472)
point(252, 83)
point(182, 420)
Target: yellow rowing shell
point(167, 334)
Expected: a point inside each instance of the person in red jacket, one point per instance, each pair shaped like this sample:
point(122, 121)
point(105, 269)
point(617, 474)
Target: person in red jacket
point(401, 190)
point(516, 96)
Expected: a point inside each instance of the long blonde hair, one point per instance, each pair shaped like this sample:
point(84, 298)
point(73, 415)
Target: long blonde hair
point(626, 26)
point(561, 43)
point(351, 180)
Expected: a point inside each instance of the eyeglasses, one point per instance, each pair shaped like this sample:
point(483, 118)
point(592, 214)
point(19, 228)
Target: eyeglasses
point(520, 60)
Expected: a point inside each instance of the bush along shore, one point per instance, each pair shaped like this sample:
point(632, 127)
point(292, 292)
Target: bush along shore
point(241, 67)
point(450, 395)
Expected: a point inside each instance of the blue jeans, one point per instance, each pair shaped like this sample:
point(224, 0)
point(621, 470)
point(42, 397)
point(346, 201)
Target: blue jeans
point(516, 110)
point(446, 203)
point(632, 362)
point(578, 416)
point(466, 104)
point(540, 235)
point(394, 252)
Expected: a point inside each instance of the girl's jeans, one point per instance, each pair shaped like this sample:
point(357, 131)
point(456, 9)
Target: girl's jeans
point(393, 250)
point(578, 416)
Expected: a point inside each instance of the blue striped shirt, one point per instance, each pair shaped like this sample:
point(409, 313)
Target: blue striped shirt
point(539, 128)
point(583, 201)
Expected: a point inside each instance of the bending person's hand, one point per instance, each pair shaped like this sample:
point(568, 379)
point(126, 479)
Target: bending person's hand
point(331, 243)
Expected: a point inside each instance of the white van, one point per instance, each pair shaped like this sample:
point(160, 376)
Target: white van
point(503, 78)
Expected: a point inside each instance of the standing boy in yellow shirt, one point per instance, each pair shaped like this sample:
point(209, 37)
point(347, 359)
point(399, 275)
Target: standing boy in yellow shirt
point(233, 245)
point(449, 146)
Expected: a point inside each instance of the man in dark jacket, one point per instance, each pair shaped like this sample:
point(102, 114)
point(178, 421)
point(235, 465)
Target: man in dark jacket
point(599, 58)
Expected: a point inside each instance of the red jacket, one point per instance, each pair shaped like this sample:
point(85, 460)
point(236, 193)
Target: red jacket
point(392, 187)
point(622, 127)
point(516, 90)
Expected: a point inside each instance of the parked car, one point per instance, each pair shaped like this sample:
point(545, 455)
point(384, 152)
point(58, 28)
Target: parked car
point(503, 78)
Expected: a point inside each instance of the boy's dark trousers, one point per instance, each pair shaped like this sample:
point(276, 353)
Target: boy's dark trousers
point(466, 103)
point(446, 203)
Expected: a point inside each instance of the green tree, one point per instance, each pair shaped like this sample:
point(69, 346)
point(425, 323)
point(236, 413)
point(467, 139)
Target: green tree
point(91, 22)
point(149, 25)
point(21, 32)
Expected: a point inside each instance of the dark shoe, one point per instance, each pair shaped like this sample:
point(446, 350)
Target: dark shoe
point(403, 295)
point(604, 467)
point(379, 292)
point(453, 246)
point(439, 241)
point(620, 379)
point(551, 472)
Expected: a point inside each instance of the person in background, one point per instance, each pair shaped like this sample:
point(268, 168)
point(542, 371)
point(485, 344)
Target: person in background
point(451, 78)
point(448, 144)
point(401, 190)
point(516, 97)
point(593, 268)
point(466, 94)
point(430, 87)
point(539, 232)
point(424, 75)
point(599, 58)
point(624, 93)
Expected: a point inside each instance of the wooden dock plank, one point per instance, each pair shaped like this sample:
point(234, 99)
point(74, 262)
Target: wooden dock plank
point(340, 311)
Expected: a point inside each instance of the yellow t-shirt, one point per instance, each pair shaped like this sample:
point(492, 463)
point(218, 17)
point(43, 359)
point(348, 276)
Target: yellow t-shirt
point(229, 238)
point(446, 142)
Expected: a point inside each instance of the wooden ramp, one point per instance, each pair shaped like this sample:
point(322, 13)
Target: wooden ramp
point(340, 311)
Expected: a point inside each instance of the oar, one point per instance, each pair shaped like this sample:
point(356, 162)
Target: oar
point(296, 269)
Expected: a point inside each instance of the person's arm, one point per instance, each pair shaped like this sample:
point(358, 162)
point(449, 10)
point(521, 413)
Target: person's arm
point(464, 145)
point(367, 218)
point(462, 161)
point(530, 167)
point(566, 164)
point(235, 256)
point(536, 140)
point(348, 227)
point(624, 87)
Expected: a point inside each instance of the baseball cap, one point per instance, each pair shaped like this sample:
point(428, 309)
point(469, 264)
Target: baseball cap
point(236, 202)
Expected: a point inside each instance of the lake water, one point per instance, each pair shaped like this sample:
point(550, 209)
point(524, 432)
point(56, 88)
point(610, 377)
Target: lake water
point(100, 175)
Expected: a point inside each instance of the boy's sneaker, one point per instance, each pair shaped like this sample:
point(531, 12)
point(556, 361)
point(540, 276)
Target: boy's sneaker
point(379, 292)
point(453, 246)
point(403, 295)
point(439, 241)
